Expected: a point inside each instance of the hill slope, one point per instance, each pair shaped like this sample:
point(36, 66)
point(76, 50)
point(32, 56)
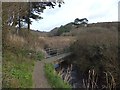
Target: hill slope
point(72, 30)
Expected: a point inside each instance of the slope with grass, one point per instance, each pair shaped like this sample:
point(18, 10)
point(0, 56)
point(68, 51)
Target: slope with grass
point(19, 56)
point(17, 70)
point(54, 80)
point(95, 50)
point(72, 30)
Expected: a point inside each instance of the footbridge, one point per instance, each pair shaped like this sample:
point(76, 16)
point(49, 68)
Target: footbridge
point(56, 54)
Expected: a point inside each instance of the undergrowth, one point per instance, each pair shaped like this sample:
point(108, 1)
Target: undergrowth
point(17, 70)
point(54, 80)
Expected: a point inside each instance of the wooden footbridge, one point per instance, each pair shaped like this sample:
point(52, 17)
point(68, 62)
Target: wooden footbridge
point(56, 55)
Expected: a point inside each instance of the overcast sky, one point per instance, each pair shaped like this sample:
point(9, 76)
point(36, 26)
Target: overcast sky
point(93, 10)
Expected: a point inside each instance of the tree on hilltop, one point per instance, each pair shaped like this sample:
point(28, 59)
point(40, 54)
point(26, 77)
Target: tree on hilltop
point(82, 21)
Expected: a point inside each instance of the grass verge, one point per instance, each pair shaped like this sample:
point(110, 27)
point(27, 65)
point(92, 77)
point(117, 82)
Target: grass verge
point(54, 80)
point(17, 70)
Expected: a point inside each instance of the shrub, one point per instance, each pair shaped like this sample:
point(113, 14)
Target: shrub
point(39, 56)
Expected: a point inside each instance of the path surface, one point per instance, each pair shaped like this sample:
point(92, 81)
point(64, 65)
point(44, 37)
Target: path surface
point(39, 78)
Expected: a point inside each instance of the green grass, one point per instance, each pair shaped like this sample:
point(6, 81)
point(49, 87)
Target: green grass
point(54, 80)
point(39, 56)
point(17, 70)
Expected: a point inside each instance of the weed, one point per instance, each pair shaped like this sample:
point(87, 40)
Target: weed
point(55, 80)
point(39, 56)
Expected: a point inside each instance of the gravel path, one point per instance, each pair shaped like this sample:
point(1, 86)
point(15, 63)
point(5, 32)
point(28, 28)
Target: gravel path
point(39, 78)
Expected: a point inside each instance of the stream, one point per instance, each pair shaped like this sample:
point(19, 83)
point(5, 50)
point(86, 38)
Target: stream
point(69, 73)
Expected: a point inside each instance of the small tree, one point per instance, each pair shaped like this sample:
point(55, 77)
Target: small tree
point(83, 21)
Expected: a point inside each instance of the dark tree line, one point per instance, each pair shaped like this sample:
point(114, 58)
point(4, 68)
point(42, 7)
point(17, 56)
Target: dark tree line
point(17, 13)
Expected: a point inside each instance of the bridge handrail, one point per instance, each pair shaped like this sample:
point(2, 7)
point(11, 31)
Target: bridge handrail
point(57, 50)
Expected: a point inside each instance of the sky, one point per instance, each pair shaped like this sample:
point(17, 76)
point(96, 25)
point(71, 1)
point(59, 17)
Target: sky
point(94, 10)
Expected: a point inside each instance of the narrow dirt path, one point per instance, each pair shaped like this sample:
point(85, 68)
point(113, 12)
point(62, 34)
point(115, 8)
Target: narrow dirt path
point(39, 78)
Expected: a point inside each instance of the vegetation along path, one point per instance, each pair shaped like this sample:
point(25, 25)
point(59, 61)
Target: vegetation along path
point(39, 78)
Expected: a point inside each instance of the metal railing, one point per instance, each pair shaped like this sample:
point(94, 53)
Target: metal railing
point(56, 51)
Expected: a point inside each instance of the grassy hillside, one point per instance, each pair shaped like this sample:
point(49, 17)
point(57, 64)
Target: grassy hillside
point(95, 51)
point(96, 48)
point(72, 30)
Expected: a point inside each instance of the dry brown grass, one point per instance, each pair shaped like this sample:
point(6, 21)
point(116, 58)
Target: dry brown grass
point(107, 37)
point(16, 40)
point(97, 47)
point(58, 42)
point(34, 41)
